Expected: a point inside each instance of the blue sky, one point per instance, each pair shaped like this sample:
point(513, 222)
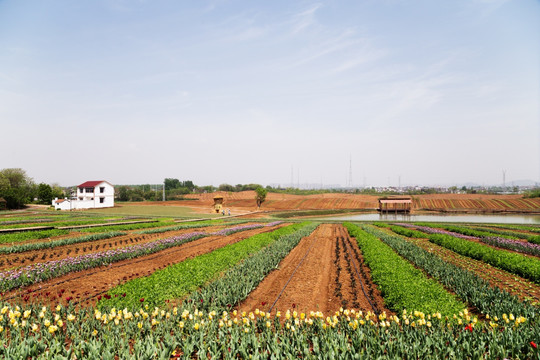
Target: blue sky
point(429, 92)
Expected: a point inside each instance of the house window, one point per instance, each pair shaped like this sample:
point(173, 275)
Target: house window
point(102, 189)
point(80, 198)
point(89, 189)
point(101, 200)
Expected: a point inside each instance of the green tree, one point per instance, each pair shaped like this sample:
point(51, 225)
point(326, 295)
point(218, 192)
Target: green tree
point(122, 193)
point(16, 187)
point(44, 194)
point(260, 195)
point(58, 191)
point(172, 184)
point(226, 187)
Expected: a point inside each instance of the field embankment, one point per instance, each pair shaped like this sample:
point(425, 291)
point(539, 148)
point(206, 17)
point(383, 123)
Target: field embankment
point(243, 202)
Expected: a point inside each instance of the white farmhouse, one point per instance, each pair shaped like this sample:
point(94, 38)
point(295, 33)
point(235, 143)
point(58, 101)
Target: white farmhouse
point(90, 195)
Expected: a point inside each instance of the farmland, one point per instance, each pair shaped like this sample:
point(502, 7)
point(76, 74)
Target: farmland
point(242, 202)
point(241, 288)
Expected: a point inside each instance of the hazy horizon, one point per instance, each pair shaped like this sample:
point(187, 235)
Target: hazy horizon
point(237, 92)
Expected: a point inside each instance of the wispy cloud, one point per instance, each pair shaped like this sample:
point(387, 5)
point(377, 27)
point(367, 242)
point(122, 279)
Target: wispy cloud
point(363, 56)
point(305, 19)
point(330, 45)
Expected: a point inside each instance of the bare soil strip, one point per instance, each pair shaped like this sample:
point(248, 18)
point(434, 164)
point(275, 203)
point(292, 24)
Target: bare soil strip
point(316, 276)
point(84, 287)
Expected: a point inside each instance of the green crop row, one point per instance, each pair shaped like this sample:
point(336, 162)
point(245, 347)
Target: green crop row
point(54, 223)
point(238, 282)
point(403, 231)
point(525, 266)
point(191, 225)
point(465, 284)
point(529, 237)
point(126, 227)
point(30, 235)
point(401, 284)
point(532, 228)
point(462, 230)
point(50, 244)
point(178, 280)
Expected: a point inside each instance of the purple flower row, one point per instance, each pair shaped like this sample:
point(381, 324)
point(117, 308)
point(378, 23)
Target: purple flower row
point(42, 271)
point(30, 274)
point(516, 245)
point(238, 228)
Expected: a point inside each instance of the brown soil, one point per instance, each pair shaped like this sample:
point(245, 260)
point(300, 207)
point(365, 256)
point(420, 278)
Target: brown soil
point(242, 202)
point(308, 278)
point(60, 252)
point(85, 286)
point(522, 288)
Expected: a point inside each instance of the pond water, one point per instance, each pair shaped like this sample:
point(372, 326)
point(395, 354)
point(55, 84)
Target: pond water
point(466, 218)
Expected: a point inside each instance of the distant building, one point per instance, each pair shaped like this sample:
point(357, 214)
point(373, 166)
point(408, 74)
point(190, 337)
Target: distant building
point(90, 195)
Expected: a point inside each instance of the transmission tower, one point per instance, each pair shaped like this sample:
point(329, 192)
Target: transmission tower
point(349, 184)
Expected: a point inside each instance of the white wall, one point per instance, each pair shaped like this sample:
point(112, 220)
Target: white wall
point(90, 200)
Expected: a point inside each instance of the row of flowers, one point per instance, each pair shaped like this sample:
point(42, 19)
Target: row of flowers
point(467, 285)
point(521, 265)
point(174, 332)
point(498, 241)
point(61, 242)
point(38, 272)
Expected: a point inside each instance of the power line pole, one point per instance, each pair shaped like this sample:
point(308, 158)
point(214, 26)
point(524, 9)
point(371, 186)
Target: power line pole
point(163, 190)
point(292, 177)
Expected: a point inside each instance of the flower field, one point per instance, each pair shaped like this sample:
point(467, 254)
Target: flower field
point(218, 289)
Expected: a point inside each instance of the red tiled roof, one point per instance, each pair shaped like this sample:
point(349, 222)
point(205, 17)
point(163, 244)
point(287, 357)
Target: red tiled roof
point(90, 183)
point(60, 201)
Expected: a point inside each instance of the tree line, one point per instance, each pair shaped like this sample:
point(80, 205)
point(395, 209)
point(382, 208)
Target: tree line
point(175, 189)
point(18, 189)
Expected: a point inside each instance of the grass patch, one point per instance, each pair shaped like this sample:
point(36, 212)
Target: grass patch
point(291, 214)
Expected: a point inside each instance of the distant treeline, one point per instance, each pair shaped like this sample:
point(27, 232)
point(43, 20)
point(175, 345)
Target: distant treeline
point(180, 190)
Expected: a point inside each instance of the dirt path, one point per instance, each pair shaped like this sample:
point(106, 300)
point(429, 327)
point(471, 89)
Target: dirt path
point(85, 286)
point(308, 278)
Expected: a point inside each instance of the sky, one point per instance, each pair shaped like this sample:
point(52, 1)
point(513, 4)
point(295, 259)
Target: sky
point(391, 92)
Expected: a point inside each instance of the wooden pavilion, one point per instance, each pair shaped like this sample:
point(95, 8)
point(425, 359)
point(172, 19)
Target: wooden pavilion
point(395, 204)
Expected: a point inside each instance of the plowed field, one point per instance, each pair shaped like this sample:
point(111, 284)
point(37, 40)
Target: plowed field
point(242, 202)
point(323, 272)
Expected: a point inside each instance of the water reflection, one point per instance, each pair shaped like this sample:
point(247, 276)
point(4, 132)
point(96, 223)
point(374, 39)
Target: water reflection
point(468, 218)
